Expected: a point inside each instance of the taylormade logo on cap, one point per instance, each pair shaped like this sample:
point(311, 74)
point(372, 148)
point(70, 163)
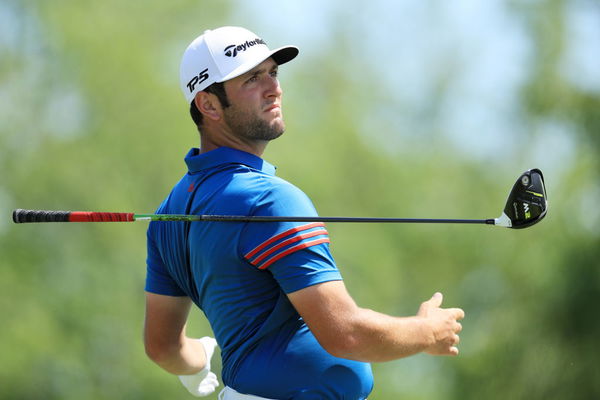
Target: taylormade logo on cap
point(222, 54)
point(232, 50)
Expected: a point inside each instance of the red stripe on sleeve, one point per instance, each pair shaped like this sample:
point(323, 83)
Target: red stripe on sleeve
point(292, 250)
point(297, 238)
point(282, 235)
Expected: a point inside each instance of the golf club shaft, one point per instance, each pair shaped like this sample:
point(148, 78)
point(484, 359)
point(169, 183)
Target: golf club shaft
point(24, 216)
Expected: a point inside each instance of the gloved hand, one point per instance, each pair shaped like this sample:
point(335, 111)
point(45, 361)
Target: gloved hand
point(204, 382)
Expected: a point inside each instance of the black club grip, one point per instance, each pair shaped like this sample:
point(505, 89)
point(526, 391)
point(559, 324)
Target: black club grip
point(22, 216)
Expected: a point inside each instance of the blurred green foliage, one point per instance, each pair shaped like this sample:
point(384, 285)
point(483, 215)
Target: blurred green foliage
point(92, 119)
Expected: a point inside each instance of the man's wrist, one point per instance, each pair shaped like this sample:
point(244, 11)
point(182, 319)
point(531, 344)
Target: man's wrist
point(425, 335)
point(204, 382)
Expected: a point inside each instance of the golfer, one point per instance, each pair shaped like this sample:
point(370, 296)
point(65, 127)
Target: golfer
point(275, 300)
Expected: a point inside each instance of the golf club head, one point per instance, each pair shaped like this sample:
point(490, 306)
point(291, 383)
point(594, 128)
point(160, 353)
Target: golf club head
point(527, 203)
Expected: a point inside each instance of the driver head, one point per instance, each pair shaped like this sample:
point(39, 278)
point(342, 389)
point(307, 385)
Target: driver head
point(526, 204)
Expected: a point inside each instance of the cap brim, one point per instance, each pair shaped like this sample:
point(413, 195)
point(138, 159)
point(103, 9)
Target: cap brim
point(284, 54)
point(280, 56)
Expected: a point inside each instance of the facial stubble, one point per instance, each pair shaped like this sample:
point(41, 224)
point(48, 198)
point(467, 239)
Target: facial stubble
point(249, 126)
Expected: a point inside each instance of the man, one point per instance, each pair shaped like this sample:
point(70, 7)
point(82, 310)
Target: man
point(272, 293)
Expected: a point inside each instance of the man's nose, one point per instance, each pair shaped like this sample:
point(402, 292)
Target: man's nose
point(274, 89)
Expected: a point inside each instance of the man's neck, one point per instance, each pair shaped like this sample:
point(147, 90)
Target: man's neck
point(256, 147)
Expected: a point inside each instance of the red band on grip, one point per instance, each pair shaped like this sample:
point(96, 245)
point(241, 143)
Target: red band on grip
point(81, 216)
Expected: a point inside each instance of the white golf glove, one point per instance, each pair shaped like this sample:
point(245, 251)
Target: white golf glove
point(204, 382)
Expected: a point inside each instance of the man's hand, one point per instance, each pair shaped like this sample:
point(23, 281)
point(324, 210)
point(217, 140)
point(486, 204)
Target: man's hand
point(444, 325)
point(204, 382)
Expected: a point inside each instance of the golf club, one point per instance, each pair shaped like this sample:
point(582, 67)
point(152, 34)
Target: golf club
point(526, 205)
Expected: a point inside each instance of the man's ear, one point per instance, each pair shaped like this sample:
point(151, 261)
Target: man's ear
point(209, 106)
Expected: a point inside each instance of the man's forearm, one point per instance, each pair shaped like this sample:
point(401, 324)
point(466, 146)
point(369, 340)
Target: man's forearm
point(186, 358)
point(377, 337)
point(348, 331)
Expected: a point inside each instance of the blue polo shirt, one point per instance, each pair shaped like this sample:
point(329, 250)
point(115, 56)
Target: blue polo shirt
point(238, 274)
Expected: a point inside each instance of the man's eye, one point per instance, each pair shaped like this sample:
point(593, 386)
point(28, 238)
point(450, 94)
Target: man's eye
point(253, 78)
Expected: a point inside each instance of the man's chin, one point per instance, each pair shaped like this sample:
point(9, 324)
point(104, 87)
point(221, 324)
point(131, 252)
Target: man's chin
point(277, 127)
point(261, 129)
point(273, 135)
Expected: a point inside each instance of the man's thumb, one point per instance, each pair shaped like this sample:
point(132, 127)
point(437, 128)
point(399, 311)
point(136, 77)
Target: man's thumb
point(434, 302)
point(436, 299)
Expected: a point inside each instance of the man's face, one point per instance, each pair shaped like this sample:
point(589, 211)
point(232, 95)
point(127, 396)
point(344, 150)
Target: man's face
point(255, 103)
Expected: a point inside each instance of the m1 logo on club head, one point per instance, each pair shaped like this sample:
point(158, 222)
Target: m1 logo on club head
point(527, 202)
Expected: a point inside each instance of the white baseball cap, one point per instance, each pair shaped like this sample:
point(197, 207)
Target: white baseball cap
point(222, 54)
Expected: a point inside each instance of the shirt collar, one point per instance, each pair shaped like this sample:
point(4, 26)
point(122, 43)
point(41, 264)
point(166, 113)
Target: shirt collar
point(197, 162)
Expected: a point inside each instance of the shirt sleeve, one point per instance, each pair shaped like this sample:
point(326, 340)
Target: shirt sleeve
point(296, 253)
point(158, 279)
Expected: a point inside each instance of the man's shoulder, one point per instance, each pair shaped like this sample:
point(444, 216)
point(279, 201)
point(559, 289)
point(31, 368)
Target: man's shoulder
point(267, 194)
point(257, 182)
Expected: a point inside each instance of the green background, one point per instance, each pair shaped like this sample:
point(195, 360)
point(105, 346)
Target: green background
point(394, 109)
